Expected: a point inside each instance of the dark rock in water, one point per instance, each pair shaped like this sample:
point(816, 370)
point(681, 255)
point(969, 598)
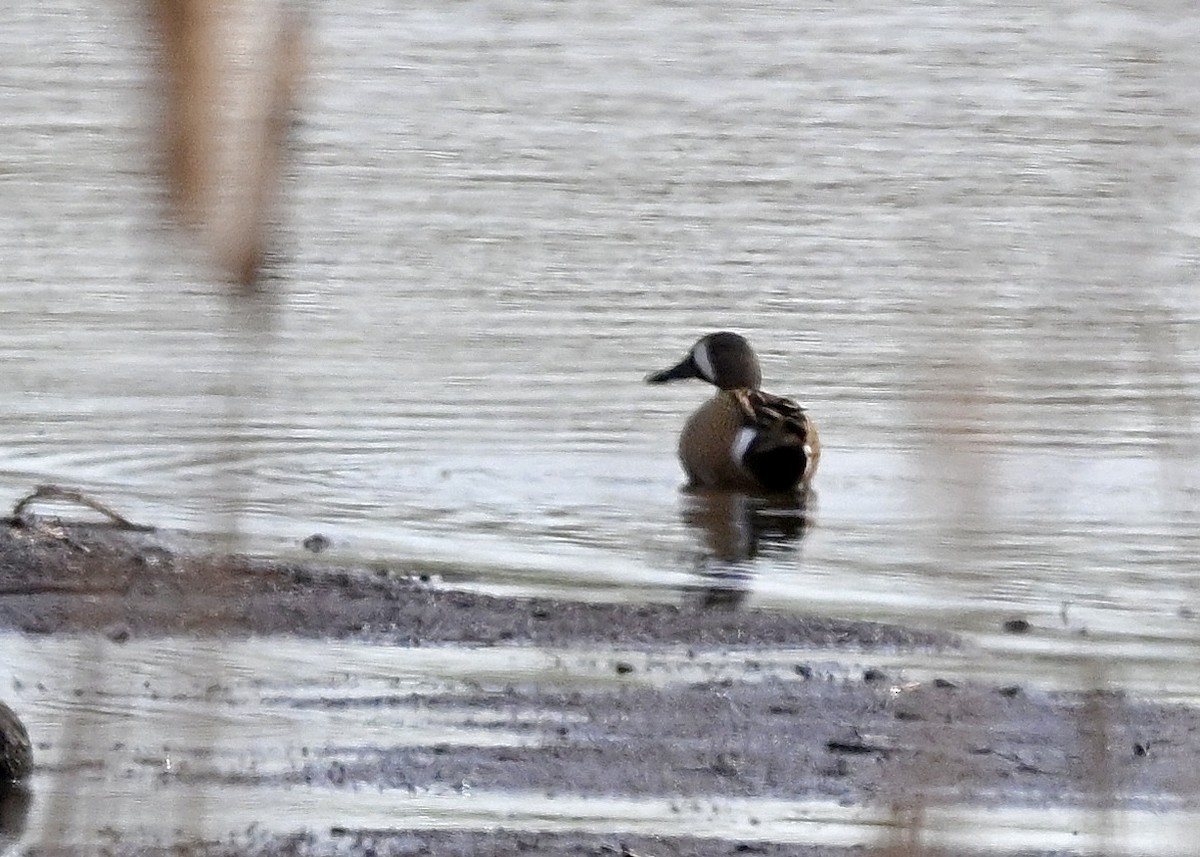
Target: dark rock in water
point(118, 633)
point(16, 753)
point(15, 800)
point(316, 543)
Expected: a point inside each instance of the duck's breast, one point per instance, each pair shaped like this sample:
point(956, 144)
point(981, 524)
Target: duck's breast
point(710, 445)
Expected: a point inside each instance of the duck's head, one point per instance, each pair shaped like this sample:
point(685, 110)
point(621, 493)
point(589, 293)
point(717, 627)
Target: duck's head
point(724, 359)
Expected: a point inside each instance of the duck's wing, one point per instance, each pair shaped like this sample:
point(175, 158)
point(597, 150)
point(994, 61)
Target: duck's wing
point(765, 411)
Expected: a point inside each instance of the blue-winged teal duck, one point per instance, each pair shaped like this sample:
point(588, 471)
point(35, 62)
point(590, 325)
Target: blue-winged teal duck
point(741, 438)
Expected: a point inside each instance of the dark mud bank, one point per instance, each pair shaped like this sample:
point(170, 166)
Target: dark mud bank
point(57, 577)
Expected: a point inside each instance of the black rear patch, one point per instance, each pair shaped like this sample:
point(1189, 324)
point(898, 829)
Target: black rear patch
point(777, 457)
point(777, 468)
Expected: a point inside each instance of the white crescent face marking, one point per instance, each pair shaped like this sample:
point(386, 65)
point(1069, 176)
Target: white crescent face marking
point(741, 443)
point(700, 356)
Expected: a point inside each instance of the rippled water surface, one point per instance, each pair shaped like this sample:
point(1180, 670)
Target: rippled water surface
point(965, 235)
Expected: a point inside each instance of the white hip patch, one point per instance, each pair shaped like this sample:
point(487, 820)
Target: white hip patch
point(741, 443)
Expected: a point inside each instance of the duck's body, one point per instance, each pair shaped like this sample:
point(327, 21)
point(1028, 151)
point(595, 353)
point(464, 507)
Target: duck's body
point(769, 443)
point(742, 438)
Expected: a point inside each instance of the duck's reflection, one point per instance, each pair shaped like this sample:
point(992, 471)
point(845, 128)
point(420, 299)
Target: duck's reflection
point(735, 529)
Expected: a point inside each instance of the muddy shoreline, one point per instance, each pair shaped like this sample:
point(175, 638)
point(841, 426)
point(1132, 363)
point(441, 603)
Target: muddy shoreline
point(58, 577)
point(869, 739)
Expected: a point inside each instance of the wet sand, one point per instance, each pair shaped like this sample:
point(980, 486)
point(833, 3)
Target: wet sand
point(866, 739)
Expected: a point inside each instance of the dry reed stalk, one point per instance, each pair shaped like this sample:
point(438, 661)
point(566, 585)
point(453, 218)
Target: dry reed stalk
point(185, 31)
point(242, 245)
point(905, 831)
point(1095, 728)
point(231, 72)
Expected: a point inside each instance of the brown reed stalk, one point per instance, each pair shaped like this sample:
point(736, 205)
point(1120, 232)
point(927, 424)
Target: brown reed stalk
point(223, 155)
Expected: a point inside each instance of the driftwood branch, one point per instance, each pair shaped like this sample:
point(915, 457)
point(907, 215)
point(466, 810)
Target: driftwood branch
point(70, 495)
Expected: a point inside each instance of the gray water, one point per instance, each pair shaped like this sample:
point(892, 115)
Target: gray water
point(965, 235)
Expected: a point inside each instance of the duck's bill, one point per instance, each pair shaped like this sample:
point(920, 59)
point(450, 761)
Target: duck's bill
point(685, 368)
